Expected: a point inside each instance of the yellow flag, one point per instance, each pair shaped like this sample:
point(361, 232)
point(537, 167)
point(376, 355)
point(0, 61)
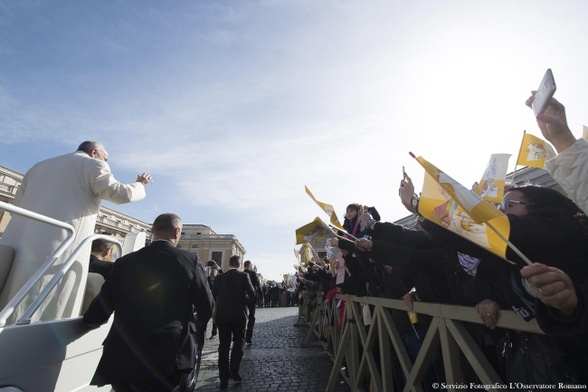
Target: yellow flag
point(491, 186)
point(312, 255)
point(449, 204)
point(534, 151)
point(328, 209)
point(306, 253)
point(315, 230)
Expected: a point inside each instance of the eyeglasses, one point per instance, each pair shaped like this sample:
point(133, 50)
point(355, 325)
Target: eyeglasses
point(506, 204)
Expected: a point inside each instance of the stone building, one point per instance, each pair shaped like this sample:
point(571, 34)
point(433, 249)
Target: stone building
point(9, 183)
point(209, 245)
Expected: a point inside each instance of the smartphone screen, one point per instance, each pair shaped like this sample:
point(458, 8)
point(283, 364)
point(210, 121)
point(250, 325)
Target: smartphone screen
point(544, 93)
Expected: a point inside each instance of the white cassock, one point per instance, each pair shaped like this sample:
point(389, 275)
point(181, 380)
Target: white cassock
point(569, 169)
point(69, 188)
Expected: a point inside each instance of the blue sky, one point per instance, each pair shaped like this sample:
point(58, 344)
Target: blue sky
point(235, 106)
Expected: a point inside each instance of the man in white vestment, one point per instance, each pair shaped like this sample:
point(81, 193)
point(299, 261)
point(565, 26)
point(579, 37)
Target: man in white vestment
point(69, 188)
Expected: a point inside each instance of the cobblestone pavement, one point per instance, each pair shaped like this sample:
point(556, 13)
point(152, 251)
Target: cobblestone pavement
point(275, 361)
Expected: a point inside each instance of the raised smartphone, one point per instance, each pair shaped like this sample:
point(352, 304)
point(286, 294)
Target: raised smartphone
point(544, 93)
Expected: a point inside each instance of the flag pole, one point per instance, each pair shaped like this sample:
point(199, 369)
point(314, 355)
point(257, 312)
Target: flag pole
point(511, 245)
point(345, 237)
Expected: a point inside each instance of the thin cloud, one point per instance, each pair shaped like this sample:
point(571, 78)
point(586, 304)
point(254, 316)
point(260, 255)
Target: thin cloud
point(234, 107)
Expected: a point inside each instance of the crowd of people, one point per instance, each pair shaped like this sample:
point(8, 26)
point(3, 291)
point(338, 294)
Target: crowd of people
point(432, 264)
point(277, 294)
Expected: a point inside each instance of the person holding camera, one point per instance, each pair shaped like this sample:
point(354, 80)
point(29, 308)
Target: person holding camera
point(570, 166)
point(561, 303)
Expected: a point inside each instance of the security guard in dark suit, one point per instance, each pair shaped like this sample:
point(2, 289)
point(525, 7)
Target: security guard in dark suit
point(232, 291)
point(153, 293)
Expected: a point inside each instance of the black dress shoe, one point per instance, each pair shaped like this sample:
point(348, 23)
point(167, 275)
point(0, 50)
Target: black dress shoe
point(235, 377)
point(224, 384)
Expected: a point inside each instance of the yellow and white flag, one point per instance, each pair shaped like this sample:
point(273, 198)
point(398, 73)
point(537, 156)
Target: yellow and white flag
point(297, 255)
point(328, 209)
point(534, 151)
point(491, 186)
point(308, 253)
point(317, 230)
point(449, 204)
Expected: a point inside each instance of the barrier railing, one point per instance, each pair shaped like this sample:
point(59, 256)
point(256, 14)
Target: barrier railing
point(25, 318)
point(305, 311)
point(353, 346)
point(29, 284)
point(302, 311)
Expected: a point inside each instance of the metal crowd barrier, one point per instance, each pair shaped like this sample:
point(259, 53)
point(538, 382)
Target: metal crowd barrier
point(352, 346)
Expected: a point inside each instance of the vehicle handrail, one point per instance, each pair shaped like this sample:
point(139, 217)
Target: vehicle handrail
point(29, 284)
point(28, 314)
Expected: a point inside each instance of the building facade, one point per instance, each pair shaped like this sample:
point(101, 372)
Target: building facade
point(209, 245)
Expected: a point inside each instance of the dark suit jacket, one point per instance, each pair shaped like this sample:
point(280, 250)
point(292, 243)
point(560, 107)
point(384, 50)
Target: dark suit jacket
point(152, 292)
point(230, 291)
point(100, 266)
point(254, 281)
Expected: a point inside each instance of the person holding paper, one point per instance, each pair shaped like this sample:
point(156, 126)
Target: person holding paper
point(570, 166)
point(562, 305)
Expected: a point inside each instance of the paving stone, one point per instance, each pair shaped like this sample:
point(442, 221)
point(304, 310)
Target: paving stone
point(275, 362)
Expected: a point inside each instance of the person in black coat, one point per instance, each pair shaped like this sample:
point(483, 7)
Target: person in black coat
point(251, 305)
point(211, 277)
point(153, 293)
point(101, 249)
point(232, 291)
